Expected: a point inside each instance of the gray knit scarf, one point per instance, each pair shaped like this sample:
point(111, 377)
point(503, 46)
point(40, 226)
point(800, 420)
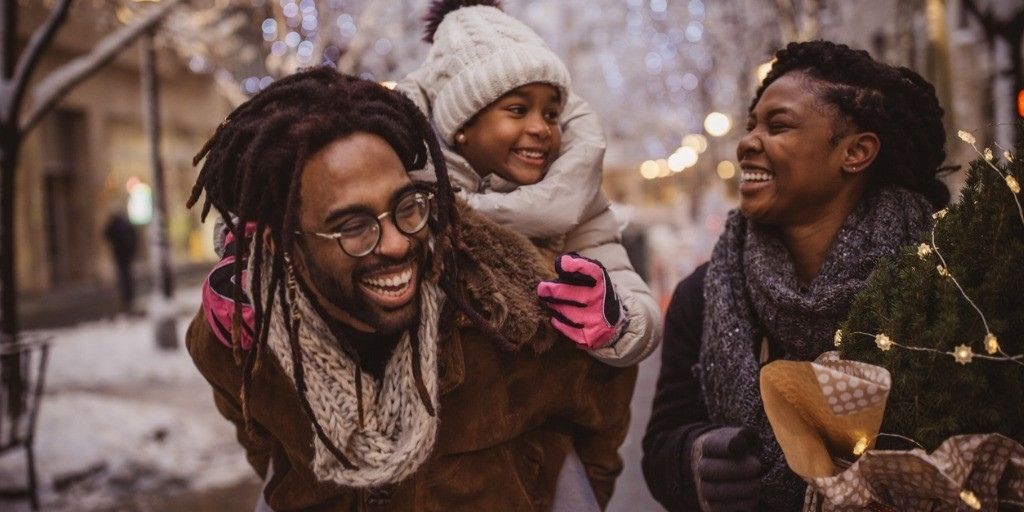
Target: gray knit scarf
point(752, 291)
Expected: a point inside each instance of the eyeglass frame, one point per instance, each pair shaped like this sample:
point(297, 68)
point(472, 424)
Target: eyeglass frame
point(336, 237)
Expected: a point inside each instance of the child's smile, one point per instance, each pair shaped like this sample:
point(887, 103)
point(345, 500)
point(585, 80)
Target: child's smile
point(517, 136)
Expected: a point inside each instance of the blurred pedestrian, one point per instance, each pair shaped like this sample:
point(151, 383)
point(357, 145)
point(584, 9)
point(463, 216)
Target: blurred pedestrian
point(124, 241)
point(839, 169)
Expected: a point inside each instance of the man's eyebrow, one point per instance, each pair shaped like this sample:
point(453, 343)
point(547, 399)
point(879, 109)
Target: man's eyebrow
point(340, 213)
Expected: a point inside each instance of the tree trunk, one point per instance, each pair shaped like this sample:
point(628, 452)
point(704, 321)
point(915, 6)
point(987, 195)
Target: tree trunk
point(8, 38)
point(12, 386)
point(8, 284)
point(161, 310)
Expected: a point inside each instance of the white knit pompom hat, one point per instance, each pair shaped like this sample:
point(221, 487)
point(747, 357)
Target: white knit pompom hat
point(479, 54)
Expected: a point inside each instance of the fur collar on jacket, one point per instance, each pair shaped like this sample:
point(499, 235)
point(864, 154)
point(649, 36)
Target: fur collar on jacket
point(499, 270)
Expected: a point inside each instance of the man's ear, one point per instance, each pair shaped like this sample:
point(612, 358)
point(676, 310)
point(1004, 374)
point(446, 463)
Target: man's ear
point(861, 151)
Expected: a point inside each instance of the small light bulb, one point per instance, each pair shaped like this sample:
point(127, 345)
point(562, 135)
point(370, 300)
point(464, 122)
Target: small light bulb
point(940, 214)
point(966, 137)
point(942, 270)
point(970, 499)
point(988, 154)
point(1012, 183)
point(838, 339)
point(924, 250)
point(991, 343)
point(883, 342)
point(861, 446)
point(963, 354)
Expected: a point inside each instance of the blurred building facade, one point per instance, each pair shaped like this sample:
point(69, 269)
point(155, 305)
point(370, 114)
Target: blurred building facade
point(78, 164)
point(652, 69)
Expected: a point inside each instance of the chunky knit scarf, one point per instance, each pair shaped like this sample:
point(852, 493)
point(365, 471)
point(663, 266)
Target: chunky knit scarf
point(398, 432)
point(752, 291)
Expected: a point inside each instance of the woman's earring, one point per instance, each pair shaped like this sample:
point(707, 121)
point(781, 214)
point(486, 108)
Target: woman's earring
point(460, 138)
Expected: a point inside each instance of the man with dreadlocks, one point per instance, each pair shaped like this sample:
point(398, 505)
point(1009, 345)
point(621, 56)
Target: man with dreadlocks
point(398, 359)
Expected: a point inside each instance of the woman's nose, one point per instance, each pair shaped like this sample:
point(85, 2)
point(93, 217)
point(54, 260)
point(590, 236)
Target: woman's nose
point(749, 144)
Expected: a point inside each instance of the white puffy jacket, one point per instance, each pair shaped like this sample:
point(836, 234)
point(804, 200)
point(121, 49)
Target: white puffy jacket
point(567, 203)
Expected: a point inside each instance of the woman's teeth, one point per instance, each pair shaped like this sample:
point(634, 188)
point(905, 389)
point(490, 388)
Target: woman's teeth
point(393, 284)
point(529, 154)
point(757, 176)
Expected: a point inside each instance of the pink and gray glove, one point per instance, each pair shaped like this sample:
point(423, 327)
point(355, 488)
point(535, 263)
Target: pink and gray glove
point(219, 293)
point(582, 301)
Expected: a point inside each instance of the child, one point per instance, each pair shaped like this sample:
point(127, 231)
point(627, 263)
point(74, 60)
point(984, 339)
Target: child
point(528, 154)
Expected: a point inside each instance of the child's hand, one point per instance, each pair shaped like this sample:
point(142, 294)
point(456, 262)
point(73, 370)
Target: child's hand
point(582, 301)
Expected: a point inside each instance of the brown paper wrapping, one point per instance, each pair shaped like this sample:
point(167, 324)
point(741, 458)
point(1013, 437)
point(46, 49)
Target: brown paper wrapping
point(820, 410)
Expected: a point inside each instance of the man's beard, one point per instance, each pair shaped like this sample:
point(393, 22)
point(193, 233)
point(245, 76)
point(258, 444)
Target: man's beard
point(353, 300)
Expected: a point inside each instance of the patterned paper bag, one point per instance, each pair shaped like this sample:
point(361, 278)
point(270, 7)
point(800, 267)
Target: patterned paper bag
point(820, 411)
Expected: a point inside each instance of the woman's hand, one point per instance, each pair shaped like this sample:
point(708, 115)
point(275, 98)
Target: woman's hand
point(726, 470)
point(582, 301)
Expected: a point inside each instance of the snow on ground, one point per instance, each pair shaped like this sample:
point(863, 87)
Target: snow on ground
point(121, 416)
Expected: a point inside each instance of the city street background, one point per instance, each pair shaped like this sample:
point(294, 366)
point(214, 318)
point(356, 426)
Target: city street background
point(107, 110)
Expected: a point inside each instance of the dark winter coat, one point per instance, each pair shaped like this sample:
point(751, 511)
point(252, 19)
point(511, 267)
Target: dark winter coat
point(678, 414)
point(122, 237)
point(507, 419)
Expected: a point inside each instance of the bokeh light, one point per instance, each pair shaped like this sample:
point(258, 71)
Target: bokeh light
point(726, 170)
point(717, 124)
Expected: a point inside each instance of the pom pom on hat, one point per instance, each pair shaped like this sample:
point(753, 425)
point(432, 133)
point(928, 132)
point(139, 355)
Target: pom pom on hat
point(440, 8)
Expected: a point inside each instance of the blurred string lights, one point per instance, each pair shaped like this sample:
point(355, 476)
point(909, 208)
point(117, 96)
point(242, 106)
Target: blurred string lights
point(358, 36)
point(652, 69)
point(716, 124)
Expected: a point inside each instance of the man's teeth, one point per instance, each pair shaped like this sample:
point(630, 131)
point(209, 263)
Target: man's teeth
point(390, 283)
point(530, 154)
point(757, 176)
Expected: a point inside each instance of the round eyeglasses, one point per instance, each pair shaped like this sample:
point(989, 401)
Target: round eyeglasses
point(360, 233)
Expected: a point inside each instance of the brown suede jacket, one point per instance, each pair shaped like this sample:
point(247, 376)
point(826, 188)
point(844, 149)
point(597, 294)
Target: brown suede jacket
point(507, 418)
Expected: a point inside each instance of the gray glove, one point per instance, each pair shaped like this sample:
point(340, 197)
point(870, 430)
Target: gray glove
point(726, 470)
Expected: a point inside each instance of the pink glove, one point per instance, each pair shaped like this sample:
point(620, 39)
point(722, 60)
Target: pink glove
point(218, 294)
point(582, 301)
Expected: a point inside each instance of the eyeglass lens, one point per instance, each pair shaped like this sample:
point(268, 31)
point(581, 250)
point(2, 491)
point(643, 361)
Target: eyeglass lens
point(361, 234)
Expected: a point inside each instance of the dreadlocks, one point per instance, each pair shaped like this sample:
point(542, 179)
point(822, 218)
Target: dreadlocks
point(251, 174)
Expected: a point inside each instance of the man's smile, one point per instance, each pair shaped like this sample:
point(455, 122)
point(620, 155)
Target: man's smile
point(392, 287)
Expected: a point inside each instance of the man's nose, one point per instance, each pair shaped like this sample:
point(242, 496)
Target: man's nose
point(393, 243)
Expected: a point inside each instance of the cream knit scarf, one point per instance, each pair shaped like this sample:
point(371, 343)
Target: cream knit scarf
point(398, 433)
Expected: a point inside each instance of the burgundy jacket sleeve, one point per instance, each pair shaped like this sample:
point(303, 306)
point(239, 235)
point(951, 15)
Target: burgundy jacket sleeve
point(678, 414)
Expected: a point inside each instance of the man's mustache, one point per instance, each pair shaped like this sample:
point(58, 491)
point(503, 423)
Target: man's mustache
point(383, 263)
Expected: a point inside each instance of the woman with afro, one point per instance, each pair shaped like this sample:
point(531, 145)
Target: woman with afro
point(839, 167)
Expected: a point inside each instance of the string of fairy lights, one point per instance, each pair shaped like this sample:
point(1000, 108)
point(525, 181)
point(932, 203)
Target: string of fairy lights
point(963, 353)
